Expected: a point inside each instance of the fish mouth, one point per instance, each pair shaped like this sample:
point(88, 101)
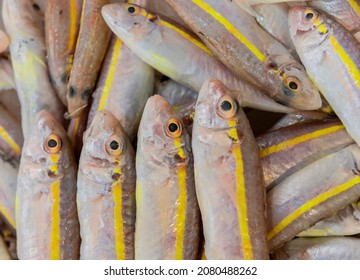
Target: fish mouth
point(42, 168)
point(108, 12)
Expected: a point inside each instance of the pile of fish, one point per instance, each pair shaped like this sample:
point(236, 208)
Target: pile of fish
point(172, 129)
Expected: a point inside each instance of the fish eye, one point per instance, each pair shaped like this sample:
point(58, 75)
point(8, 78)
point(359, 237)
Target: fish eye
point(292, 83)
point(52, 144)
point(114, 146)
point(310, 15)
point(133, 9)
point(173, 128)
point(227, 107)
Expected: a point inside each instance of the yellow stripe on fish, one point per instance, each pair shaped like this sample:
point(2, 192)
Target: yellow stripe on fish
point(55, 222)
point(241, 203)
point(343, 55)
point(111, 75)
point(26, 68)
point(15, 147)
point(72, 24)
point(300, 139)
point(348, 62)
point(118, 217)
point(355, 6)
point(181, 32)
point(55, 214)
point(311, 204)
point(231, 28)
point(7, 216)
point(181, 210)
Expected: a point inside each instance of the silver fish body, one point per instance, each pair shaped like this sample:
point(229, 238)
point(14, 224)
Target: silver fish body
point(327, 49)
point(322, 248)
point(28, 56)
point(228, 176)
point(46, 215)
point(106, 191)
point(191, 63)
point(167, 212)
point(345, 222)
point(124, 85)
point(312, 194)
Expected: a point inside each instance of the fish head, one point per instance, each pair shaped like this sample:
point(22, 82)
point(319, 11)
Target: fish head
point(219, 119)
point(215, 106)
point(22, 13)
point(307, 26)
point(129, 21)
point(162, 135)
point(47, 147)
point(105, 141)
point(297, 89)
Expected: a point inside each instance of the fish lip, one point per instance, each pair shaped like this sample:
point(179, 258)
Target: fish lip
point(93, 175)
point(107, 11)
point(105, 166)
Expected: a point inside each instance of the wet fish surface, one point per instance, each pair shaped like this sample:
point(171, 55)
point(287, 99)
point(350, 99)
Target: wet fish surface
point(325, 248)
point(106, 191)
point(228, 176)
point(327, 49)
point(249, 51)
point(27, 49)
point(46, 214)
point(167, 211)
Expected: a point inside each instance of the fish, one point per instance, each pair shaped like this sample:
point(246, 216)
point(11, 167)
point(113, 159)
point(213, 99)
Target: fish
point(39, 6)
point(285, 151)
point(11, 141)
point(7, 81)
point(247, 5)
point(322, 248)
point(191, 63)
point(167, 213)
point(299, 117)
point(345, 222)
point(4, 41)
point(28, 57)
point(8, 173)
point(4, 254)
point(249, 52)
point(159, 7)
point(9, 238)
point(106, 191)
point(11, 138)
point(91, 46)
point(9, 99)
point(124, 85)
point(314, 193)
point(62, 23)
point(327, 49)
point(274, 19)
point(46, 213)
point(346, 12)
point(228, 177)
point(176, 94)
point(181, 98)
